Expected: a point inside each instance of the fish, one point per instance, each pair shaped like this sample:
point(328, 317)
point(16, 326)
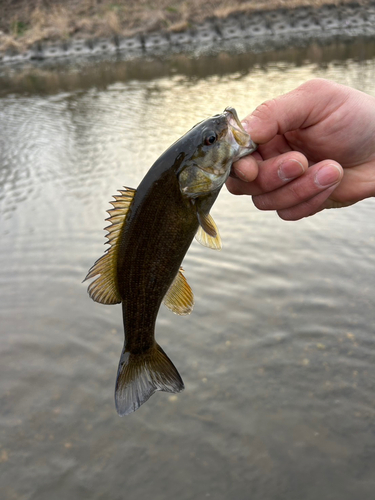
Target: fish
point(150, 231)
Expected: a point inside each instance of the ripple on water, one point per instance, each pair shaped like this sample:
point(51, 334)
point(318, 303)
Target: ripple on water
point(277, 356)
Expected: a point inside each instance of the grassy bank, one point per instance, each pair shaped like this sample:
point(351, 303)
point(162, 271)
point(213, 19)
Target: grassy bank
point(26, 22)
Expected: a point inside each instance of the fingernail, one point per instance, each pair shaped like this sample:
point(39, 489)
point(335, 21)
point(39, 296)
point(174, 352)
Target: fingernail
point(247, 123)
point(241, 175)
point(328, 175)
point(290, 169)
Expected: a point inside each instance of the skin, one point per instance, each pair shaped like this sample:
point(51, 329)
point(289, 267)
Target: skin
point(316, 151)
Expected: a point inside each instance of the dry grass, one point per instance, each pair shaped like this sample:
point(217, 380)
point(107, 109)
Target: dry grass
point(25, 22)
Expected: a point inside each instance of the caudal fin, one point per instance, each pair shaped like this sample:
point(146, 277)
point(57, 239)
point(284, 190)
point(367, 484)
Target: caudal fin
point(140, 375)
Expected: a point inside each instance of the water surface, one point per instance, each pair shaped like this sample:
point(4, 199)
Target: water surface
point(278, 354)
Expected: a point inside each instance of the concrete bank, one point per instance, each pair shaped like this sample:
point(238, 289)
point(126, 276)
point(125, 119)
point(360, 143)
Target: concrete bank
point(257, 31)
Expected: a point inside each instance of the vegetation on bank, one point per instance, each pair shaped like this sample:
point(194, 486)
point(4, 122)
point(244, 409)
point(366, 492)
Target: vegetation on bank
point(26, 22)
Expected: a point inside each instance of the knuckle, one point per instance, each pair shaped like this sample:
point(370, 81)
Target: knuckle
point(287, 215)
point(261, 202)
point(295, 193)
point(233, 188)
point(265, 110)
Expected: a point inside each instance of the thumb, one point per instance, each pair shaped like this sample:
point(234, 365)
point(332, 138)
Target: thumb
point(298, 109)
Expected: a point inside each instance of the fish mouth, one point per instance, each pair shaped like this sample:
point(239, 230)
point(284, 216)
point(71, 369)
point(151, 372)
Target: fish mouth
point(240, 135)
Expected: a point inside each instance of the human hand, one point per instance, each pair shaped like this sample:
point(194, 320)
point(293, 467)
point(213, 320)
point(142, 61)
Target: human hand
point(316, 150)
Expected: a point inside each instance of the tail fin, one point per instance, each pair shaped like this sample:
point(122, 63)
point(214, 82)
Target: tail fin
point(140, 375)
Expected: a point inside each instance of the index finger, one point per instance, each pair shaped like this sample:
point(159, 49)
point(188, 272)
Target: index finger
point(272, 173)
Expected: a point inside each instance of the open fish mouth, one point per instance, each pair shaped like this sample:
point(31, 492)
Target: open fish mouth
point(232, 116)
point(241, 137)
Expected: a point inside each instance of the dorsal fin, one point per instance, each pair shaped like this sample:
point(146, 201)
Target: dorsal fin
point(104, 288)
point(208, 233)
point(179, 298)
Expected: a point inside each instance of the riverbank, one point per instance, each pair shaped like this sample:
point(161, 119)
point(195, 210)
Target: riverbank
point(51, 28)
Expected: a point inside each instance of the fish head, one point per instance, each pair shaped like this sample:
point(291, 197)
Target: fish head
point(220, 141)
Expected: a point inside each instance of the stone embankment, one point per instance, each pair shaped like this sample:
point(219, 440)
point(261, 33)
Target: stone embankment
point(255, 30)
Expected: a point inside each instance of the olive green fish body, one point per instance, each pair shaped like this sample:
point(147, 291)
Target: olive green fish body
point(159, 229)
point(157, 235)
point(150, 233)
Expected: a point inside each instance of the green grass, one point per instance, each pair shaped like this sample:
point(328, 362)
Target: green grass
point(18, 28)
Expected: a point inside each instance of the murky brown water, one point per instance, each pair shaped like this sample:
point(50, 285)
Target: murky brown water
point(278, 357)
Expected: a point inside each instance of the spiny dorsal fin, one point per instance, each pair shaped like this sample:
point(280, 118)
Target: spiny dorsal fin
point(179, 298)
point(208, 233)
point(104, 288)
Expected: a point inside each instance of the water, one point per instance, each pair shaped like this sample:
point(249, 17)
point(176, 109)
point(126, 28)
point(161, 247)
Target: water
point(278, 354)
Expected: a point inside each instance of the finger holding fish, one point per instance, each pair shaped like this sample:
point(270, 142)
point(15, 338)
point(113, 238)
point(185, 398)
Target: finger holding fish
point(305, 195)
point(286, 183)
point(254, 176)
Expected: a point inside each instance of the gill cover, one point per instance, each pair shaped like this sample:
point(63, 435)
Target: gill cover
point(223, 141)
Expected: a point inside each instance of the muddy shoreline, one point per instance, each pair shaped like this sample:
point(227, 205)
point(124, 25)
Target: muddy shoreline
point(250, 30)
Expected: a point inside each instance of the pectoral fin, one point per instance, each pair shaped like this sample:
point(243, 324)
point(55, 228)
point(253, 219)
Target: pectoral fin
point(179, 298)
point(207, 223)
point(208, 233)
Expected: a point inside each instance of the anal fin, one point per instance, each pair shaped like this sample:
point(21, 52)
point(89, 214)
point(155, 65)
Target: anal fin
point(179, 298)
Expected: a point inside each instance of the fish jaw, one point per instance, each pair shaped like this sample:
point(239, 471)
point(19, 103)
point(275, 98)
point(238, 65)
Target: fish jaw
point(237, 136)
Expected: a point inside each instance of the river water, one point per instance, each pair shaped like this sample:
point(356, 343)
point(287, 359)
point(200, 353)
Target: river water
point(278, 356)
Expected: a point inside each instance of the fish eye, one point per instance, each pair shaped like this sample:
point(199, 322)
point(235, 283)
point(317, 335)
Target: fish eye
point(210, 138)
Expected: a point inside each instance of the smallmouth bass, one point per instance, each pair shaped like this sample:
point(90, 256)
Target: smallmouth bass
point(150, 231)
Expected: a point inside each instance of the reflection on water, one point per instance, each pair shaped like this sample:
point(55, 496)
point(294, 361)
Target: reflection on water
point(278, 355)
point(51, 77)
